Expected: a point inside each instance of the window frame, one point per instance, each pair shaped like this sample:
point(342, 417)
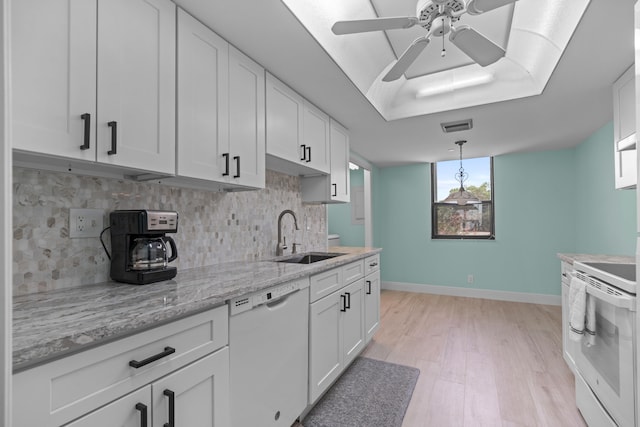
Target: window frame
point(435, 204)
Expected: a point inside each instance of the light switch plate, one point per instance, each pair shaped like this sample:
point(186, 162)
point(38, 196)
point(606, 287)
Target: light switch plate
point(85, 222)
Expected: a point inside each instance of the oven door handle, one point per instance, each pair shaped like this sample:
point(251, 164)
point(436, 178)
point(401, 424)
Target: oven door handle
point(620, 301)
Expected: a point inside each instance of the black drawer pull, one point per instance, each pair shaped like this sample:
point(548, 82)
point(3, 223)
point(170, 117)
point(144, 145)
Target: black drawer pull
point(167, 351)
point(226, 164)
point(114, 138)
point(172, 408)
point(309, 154)
point(373, 264)
point(237, 159)
point(86, 117)
point(369, 284)
point(304, 152)
point(143, 414)
point(344, 302)
point(348, 294)
point(335, 190)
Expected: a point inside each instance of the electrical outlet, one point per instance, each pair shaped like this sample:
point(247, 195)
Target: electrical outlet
point(470, 278)
point(85, 222)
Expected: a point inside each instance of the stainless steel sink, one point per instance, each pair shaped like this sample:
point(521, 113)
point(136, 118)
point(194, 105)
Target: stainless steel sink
point(309, 258)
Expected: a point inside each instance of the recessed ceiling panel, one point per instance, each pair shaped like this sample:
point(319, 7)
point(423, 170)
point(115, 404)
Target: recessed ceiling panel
point(495, 25)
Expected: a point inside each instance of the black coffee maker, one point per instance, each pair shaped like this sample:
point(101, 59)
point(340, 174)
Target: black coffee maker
point(139, 245)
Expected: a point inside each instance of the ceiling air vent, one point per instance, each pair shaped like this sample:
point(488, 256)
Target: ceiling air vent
point(457, 126)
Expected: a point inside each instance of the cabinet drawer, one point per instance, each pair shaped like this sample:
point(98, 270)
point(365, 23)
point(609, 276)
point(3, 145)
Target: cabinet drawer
point(60, 391)
point(371, 264)
point(352, 272)
point(325, 283)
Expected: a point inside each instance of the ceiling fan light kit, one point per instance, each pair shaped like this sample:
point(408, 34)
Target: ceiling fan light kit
point(437, 18)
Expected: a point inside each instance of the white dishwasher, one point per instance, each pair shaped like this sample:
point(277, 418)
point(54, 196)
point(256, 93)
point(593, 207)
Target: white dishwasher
point(268, 349)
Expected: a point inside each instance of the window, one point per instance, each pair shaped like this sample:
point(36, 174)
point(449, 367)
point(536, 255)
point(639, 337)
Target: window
point(470, 221)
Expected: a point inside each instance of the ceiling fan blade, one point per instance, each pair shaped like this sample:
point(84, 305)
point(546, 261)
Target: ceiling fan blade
point(375, 24)
point(476, 7)
point(406, 59)
point(476, 46)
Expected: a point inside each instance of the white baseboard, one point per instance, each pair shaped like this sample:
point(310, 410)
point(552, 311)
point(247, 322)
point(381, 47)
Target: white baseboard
point(474, 293)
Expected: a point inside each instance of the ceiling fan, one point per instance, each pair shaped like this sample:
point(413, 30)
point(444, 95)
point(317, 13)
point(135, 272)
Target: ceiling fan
point(437, 17)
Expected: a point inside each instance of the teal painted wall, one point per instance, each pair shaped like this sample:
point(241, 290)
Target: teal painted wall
point(339, 217)
point(607, 223)
point(538, 200)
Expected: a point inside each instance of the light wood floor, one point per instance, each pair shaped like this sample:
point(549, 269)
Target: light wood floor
point(482, 362)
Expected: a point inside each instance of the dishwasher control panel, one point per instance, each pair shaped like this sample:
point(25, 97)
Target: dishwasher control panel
point(247, 302)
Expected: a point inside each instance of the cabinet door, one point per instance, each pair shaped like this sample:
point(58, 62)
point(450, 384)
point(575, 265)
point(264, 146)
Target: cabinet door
point(136, 84)
point(371, 304)
point(246, 120)
point(353, 333)
point(129, 411)
point(196, 396)
point(53, 63)
point(325, 354)
point(203, 122)
point(624, 129)
point(315, 141)
point(340, 177)
point(284, 121)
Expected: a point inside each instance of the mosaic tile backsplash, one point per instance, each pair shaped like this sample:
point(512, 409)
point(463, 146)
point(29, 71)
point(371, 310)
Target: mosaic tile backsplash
point(213, 227)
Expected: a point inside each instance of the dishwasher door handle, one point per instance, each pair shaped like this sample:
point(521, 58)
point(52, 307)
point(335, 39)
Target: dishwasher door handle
point(280, 301)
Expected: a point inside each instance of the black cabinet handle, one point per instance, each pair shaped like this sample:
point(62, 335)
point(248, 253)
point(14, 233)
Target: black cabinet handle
point(167, 351)
point(373, 264)
point(143, 414)
point(348, 294)
point(335, 189)
point(237, 159)
point(86, 117)
point(226, 164)
point(344, 302)
point(114, 138)
point(172, 408)
point(304, 152)
point(369, 284)
point(309, 154)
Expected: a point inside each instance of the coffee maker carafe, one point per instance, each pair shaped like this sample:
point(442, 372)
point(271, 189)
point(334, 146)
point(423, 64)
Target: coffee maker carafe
point(139, 246)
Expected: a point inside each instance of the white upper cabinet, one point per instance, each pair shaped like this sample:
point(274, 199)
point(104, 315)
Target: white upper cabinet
point(335, 187)
point(297, 132)
point(284, 121)
point(203, 121)
point(53, 60)
point(221, 109)
point(624, 130)
point(98, 91)
point(136, 84)
point(340, 177)
point(315, 138)
point(246, 120)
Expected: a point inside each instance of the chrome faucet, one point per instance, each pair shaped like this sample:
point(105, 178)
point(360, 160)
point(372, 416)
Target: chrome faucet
point(282, 242)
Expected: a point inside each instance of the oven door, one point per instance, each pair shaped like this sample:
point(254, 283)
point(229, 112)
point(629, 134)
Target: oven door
point(607, 365)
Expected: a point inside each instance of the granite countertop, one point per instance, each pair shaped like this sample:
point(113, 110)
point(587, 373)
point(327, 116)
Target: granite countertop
point(615, 259)
point(50, 325)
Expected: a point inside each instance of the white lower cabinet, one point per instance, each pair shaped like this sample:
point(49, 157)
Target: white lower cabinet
point(129, 411)
point(336, 329)
point(371, 304)
point(195, 396)
point(105, 385)
point(353, 321)
point(371, 296)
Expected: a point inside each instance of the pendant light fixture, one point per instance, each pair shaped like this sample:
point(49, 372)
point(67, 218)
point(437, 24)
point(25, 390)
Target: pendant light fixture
point(461, 197)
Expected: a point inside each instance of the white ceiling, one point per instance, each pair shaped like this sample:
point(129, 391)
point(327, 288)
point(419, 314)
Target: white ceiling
point(576, 101)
